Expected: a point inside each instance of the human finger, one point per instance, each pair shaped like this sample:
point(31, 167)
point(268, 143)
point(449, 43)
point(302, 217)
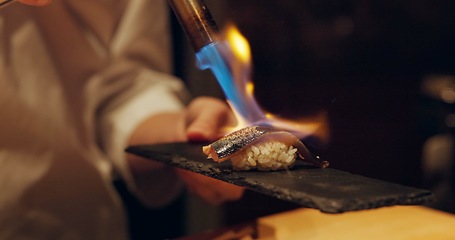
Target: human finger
point(35, 2)
point(205, 118)
point(210, 190)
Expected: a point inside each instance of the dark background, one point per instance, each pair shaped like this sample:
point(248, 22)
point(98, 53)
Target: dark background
point(362, 62)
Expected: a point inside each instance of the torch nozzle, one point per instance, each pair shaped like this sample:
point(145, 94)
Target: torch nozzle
point(196, 21)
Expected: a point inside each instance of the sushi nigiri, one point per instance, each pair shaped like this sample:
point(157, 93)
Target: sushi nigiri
point(261, 148)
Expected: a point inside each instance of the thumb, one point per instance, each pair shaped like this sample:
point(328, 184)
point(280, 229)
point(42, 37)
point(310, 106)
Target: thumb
point(205, 119)
point(35, 2)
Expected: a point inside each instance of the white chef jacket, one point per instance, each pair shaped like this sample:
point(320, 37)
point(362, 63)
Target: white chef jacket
point(76, 77)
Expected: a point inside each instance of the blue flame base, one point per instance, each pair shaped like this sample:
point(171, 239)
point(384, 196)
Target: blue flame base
point(210, 57)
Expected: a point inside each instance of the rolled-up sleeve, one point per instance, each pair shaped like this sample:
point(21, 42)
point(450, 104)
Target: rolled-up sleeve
point(135, 84)
point(134, 97)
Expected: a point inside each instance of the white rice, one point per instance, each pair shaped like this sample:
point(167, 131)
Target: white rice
point(265, 156)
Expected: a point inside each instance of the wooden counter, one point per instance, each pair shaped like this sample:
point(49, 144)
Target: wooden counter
point(388, 223)
point(391, 223)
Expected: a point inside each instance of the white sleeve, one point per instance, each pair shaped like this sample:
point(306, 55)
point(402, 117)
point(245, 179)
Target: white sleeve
point(112, 60)
point(136, 84)
point(145, 94)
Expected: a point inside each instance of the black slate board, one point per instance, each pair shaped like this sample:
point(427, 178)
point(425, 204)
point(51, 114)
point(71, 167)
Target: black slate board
point(329, 190)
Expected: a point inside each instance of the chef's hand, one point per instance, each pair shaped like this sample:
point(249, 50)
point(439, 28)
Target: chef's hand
point(206, 119)
point(203, 120)
point(209, 189)
point(35, 2)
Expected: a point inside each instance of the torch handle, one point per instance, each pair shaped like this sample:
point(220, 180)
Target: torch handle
point(196, 21)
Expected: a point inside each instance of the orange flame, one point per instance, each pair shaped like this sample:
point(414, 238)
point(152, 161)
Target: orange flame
point(240, 46)
point(239, 59)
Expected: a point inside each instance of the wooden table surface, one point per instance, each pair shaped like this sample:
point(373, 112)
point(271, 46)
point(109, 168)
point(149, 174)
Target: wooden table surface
point(387, 223)
point(391, 223)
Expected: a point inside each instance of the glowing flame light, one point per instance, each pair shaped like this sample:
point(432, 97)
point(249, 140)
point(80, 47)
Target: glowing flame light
point(230, 62)
point(240, 46)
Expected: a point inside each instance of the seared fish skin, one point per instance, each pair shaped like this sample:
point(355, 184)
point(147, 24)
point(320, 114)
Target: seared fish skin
point(235, 142)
